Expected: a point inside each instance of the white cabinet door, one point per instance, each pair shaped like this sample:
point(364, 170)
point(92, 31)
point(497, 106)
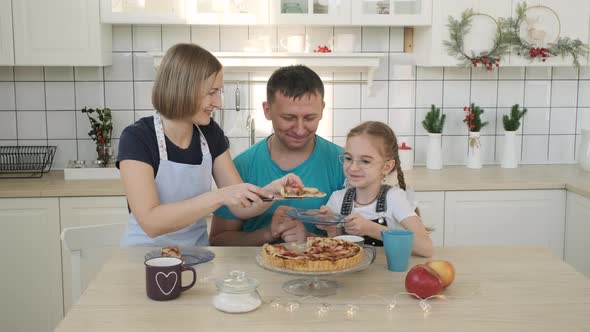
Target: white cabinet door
point(60, 33)
point(428, 41)
point(143, 12)
point(87, 211)
point(515, 217)
point(549, 19)
point(6, 51)
point(577, 229)
point(310, 12)
point(392, 12)
point(432, 213)
point(228, 12)
point(31, 297)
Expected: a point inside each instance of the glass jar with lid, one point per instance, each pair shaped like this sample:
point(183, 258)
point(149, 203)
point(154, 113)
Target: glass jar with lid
point(237, 293)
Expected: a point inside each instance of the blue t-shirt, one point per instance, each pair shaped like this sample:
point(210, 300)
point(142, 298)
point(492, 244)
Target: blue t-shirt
point(321, 170)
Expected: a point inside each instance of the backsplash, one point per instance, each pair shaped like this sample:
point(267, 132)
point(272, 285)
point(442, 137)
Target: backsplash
point(40, 105)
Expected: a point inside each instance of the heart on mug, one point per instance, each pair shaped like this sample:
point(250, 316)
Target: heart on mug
point(166, 282)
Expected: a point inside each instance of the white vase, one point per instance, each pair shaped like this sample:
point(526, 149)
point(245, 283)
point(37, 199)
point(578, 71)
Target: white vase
point(434, 153)
point(474, 153)
point(509, 153)
point(584, 154)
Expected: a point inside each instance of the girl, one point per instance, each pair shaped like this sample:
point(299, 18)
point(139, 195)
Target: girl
point(371, 152)
point(167, 160)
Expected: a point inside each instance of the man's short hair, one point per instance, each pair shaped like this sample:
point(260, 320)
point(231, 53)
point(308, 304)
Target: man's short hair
point(294, 82)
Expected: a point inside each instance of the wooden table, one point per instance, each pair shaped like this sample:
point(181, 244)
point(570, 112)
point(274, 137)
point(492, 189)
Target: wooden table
point(496, 289)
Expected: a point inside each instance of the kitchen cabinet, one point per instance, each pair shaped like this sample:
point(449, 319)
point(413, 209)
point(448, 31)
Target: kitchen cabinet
point(549, 19)
point(143, 11)
point(31, 269)
point(88, 211)
point(515, 217)
point(6, 42)
point(310, 12)
point(432, 213)
point(577, 228)
point(428, 41)
point(60, 33)
point(228, 12)
point(392, 12)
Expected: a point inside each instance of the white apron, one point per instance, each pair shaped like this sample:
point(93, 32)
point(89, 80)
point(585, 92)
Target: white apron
point(176, 182)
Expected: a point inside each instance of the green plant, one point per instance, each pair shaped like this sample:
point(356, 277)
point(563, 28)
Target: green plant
point(473, 118)
point(434, 121)
point(512, 122)
point(101, 124)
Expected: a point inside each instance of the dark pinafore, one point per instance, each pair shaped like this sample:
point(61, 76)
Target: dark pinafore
point(381, 206)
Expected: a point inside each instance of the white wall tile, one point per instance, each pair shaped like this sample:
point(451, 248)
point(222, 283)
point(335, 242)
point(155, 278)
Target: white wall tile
point(402, 94)
point(456, 93)
point(147, 38)
point(489, 116)
point(375, 39)
point(138, 114)
point(583, 119)
point(534, 148)
point(61, 124)
point(319, 36)
point(233, 39)
point(484, 74)
point(565, 73)
point(429, 73)
point(484, 93)
point(238, 145)
point(564, 93)
point(235, 122)
point(420, 147)
point(7, 96)
point(122, 68)
point(6, 73)
point(382, 71)
point(263, 126)
point(347, 95)
point(66, 150)
point(325, 128)
point(261, 35)
point(377, 98)
point(428, 93)
point(511, 73)
point(356, 31)
point(537, 93)
point(536, 121)
point(454, 150)
point(30, 96)
point(143, 67)
point(374, 114)
point(86, 149)
point(119, 95)
point(456, 73)
point(89, 94)
point(89, 73)
point(7, 125)
point(28, 74)
point(31, 125)
point(510, 93)
point(537, 73)
point(396, 39)
point(340, 141)
point(59, 73)
point(122, 39)
point(143, 95)
point(207, 37)
point(229, 95)
point(561, 148)
point(173, 34)
point(420, 115)
point(82, 126)
point(584, 73)
point(60, 95)
point(563, 121)
point(584, 94)
point(454, 121)
point(121, 119)
point(401, 72)
point(344, 120)
point(402, 121)
point(500, 147)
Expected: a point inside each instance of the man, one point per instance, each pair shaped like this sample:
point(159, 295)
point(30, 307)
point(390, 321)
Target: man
point(294, 103)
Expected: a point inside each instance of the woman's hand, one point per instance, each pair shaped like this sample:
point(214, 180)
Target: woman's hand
point(243, 195)
point(289, 180)
point(332, 230)
point(285, 227)
point(355, 224)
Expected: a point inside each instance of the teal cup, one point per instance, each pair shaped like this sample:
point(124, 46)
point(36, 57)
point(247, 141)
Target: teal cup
point(397, 244)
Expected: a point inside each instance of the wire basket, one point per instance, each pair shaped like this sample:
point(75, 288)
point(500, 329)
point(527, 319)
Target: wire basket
point(25, 161)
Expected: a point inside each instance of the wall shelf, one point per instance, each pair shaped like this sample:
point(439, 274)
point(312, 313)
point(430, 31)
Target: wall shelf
point(321, 62)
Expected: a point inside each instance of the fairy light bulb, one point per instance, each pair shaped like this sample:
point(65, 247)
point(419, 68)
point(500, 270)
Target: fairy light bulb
point(322, 310)
point(351, 311)
point(425, 306)
point(391, 305)
point(292, 306)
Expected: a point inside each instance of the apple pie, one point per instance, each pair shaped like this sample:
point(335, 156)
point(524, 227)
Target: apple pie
point(172, 251)
point(301, 192)
point(319, 254)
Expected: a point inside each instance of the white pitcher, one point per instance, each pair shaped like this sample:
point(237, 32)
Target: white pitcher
point(584, 154)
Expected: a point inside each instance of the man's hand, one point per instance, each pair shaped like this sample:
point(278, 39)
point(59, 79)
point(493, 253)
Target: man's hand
point(285, 227)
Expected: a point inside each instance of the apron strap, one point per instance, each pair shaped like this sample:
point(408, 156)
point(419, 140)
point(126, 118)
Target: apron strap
point(160, 137)
point(347, 202)
point(382, 200)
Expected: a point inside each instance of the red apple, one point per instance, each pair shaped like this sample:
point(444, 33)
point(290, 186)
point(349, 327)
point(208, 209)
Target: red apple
point(445, 270)
point(423, 281)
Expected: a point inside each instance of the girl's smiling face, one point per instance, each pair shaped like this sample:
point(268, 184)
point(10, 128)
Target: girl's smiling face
point(364, 163)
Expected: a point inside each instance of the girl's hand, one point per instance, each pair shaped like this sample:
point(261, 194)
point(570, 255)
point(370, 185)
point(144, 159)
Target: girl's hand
point(332, 230)
point(242, 195)
point(355, 224)
point(289, 180)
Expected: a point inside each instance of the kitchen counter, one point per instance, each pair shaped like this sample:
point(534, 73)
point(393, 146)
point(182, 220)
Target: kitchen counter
point(450, 178)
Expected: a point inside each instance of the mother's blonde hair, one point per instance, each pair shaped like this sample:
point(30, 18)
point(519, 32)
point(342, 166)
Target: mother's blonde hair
point(178, 88)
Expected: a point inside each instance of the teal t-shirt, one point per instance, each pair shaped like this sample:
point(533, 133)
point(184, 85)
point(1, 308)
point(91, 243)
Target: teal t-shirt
point(321, 170)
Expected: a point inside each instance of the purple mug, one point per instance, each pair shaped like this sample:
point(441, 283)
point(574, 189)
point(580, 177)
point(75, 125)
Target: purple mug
point(163, 278)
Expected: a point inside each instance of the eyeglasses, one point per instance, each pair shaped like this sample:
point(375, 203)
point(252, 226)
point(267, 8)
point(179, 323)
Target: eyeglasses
point(365, 164)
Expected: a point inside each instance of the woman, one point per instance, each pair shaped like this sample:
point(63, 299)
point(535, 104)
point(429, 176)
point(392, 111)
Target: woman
point(167, 160)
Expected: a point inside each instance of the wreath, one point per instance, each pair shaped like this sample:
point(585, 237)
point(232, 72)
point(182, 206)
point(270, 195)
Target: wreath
point(562, 46)
point(455, 46)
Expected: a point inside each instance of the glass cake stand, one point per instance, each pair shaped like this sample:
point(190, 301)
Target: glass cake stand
point(311, 284)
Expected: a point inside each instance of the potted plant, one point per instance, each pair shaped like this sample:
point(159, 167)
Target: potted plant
point(511, 124)
point(434, 122)
point(101, 123)
point(474, 125)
